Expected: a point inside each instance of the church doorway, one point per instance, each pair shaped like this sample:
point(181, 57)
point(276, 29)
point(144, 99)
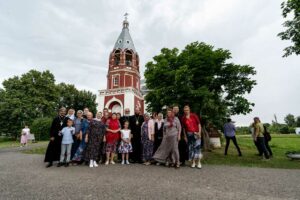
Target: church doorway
point(115, 107)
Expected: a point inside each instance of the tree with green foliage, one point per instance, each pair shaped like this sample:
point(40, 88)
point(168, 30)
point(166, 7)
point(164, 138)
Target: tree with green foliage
point(40, 127)
point(202, 77)
point(25, 98)
point(35, 95)
point(70, 97)
point(290, 120)
point(298, 121)
point(291, 9)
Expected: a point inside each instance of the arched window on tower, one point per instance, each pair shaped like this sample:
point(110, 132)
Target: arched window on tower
point(128, 58)
point(117, 57)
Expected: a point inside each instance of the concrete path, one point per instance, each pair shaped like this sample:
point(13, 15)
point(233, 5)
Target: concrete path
point(24, 176)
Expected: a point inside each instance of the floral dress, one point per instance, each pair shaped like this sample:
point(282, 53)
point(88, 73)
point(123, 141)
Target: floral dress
point(147, 144)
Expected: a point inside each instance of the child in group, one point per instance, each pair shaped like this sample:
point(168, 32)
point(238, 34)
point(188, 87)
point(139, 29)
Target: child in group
point(66, 143)
point(125, 146)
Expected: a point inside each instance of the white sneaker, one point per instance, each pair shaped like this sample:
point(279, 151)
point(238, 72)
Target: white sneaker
point(193, 165)
point(95, 164)
point(112, 162)
point(91, 163)
point(127, 162)
point(123, 162)
point(107, 162)
point(199, 166)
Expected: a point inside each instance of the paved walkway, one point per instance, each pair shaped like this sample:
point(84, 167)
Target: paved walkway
point(24, 176)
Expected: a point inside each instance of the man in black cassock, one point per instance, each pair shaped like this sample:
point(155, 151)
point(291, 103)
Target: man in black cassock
point(54, 146)
point(135, 123)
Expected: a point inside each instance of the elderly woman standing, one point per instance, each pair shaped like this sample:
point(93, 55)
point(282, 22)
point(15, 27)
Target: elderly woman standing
point(94, 138)
point(168, 150)
point(192, 128)
point(83, 124)
point(147, 139)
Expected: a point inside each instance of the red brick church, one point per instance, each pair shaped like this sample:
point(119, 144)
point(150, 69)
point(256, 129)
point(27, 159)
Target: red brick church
point(123, 77)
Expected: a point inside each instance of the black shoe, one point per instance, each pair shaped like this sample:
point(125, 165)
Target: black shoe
point(60, 164)
point(67, 165)
point(49, 165)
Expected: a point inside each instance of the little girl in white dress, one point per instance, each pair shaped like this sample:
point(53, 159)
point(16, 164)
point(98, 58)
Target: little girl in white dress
point(125, 146)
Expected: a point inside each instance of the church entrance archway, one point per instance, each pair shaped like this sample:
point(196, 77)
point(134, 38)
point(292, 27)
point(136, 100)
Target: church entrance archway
point(115, 107)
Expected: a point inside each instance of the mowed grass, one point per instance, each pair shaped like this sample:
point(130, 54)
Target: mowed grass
point(8, 142)
point(11, 143)
point(279, 144)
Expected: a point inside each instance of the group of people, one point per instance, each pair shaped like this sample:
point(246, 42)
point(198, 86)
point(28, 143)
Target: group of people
point(134, 139)
point(259, 133)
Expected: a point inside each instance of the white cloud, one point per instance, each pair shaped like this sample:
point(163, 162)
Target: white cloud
point(73, 40)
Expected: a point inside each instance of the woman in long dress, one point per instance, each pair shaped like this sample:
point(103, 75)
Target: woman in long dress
point(94, 138)
point(147, 139)
point(168, 150)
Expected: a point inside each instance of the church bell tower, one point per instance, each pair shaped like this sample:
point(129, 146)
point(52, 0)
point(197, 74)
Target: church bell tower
point(123, 77)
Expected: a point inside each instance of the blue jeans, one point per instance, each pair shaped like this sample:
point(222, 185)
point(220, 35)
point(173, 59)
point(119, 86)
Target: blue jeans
point(194, 145)
point(65, 150)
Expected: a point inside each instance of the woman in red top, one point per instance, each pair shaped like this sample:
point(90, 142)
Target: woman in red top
point(192, 127)
point(112, 136)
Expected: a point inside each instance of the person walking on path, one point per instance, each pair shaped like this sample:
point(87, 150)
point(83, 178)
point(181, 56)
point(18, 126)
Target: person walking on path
point(54, 146)
point(229, 133)
point(168, 150)
point(192, 128)
point(24, 136)
point(268, 138)
point(259, 137)
point(66, 143)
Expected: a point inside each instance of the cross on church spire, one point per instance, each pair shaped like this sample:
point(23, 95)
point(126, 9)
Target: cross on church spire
point(126, 15)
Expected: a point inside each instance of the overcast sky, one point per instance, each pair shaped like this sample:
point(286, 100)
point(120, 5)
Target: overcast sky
point(73, 40)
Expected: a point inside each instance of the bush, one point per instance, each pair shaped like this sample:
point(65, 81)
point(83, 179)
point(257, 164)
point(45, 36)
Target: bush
point(40, 127)
point(286, 130)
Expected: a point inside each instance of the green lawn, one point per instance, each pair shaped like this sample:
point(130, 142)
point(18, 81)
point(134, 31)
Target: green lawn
point(8, 142)
point(280, 144)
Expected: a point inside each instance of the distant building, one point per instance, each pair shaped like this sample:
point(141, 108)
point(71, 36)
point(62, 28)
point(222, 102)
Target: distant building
point(123, 77)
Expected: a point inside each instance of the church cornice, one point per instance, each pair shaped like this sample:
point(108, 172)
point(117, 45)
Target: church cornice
point(118, 91)
point(124, 70)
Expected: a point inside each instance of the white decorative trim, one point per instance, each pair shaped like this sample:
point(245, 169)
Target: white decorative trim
point(114, 99)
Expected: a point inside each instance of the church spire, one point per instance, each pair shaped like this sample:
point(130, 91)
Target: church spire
point(124, 40)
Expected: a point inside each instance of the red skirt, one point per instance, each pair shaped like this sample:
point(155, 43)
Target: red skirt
point(112, 138)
